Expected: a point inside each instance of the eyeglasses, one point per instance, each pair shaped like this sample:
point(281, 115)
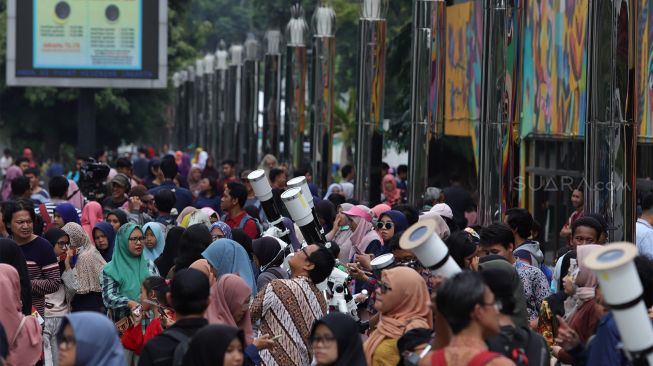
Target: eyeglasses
point(303, 249)
point(216, 237)
point(66, 342)
point(496, 304)
point(384, 288)
point(326, 340)
point(63, 244)
point(384, 225)
point(137, 239)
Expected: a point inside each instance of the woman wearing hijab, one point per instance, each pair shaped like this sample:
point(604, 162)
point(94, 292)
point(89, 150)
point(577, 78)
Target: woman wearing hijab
point(227, 256)
point(123, 276)
point(213, 215)
point(104, 238)
point(91, 215)
point(59, 301)
point(196, 217)
point(65, 213)
point(216, 345)
point(334, 188)
point(167, 258)
point(341, 233)
point(184, 214)
point(11, 254)
point(117, 218)
point(75, 196)
point(240, 237)
point(336, 342)
point(364, 240)
point(391, 194)
point(23, 331)
point(154, 240)
point(12, 173)
point(87, 270)
point(378, 210)
point(583, 314)
point(191, 245)
point(194, 179)
point(268, 258)
point(229, 304)
point(403, 301)
point(391, 223)
point(326, 213)
point(89, 339)
point(220, 230)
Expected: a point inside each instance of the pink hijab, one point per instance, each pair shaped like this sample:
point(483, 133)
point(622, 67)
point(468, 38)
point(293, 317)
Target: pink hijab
point(379, 209)
point(362, 236)
point(586, 280)
point(393, 195)
point(26, 350)
point(91, 215)
point(13, 172)
point(227, 296)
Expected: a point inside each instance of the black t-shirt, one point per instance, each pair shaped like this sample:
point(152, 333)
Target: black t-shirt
point(159, 351)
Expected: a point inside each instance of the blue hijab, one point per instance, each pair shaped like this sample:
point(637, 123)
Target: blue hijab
point(157, 230)
point(227, 256)
point(398, 218)
point(67, 212)
point(226, 230)
point(96, 338)
point(107, 229)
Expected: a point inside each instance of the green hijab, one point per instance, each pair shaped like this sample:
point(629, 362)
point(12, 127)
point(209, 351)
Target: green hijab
point(124, 268)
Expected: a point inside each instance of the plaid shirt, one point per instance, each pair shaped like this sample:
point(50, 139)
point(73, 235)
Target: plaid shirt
point(116, 303)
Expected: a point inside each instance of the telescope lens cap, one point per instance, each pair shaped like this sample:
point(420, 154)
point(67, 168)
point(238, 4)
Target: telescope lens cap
point(610, 256)
point(418, 233)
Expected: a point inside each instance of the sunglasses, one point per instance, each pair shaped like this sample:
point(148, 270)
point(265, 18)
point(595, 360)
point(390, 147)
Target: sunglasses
point(384, 225)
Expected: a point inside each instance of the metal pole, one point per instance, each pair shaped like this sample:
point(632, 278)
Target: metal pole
point(371, 79)
point(176, 82)
point(272, 93)
point(427, 91)
point(209, 76)
point(499, 108)
point(250, 120)
point(610, 136)
point(296, 73)
point(183, 113)
point(221, 66)
point(192, 116)
point(324, 22)
point(200, 102)
point(234, 102)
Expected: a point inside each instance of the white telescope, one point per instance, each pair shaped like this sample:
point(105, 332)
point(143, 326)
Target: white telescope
point(301, 182)
point(263, 191)
point(623, 293)
point(429, 249)
point(302, 215)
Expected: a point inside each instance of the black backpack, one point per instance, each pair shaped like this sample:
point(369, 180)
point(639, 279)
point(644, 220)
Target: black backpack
point(182, 345)
point(520, 344)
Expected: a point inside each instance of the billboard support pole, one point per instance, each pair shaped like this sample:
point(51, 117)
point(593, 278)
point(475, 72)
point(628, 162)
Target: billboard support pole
point(86, 121)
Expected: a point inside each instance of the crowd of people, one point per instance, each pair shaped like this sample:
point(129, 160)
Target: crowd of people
point(173, 264)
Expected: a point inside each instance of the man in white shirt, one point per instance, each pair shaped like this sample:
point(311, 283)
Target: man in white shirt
point(644, 227)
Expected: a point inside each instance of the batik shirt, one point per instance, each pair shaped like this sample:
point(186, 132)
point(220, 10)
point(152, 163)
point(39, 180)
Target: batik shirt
point(288, 308)
point(536, 287)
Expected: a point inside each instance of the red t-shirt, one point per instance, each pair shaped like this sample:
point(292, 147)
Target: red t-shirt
point(133, 339)
point(249, 228)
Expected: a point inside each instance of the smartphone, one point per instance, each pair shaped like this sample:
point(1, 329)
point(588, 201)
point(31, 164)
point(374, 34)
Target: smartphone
point(277, 337)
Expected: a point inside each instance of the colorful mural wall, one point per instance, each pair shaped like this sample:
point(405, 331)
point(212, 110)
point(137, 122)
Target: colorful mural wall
point(554, 80)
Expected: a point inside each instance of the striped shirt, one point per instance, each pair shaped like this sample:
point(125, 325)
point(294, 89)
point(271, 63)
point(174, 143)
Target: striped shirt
point(113, 300)
point(50, 206)
point(288, 308)
point(43, 270)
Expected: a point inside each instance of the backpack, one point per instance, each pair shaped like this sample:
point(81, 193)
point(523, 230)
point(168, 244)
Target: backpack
point(480, 359)
point(243, 221)
point(183, 342)
point(521, 345)
point(43, 211)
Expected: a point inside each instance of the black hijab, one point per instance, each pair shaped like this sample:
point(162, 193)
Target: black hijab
point(210, 344)
point(170, 251)
point(243, 239)
point(52, 236)
point(265, 249)
point(11, 254)
point(345, 330)
point(326, 210)
point(195, 239)
point(120, 214)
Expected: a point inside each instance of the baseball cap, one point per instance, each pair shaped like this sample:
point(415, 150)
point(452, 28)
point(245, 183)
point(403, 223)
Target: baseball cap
point(358, 212)
point(121, 180)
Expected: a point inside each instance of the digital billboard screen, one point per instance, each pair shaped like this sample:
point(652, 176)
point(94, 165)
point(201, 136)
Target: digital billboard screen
point(87, 43)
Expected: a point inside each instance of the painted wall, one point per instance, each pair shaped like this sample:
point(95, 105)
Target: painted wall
point(554, 80)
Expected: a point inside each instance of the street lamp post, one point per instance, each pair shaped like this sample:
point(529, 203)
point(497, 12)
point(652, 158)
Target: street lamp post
point(250, 94)
point(272, 93)
point(222, 67)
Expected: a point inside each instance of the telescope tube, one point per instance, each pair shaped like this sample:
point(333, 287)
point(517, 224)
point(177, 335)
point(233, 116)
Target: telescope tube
point(263, 191)
point(301, 214)
point(308, 196)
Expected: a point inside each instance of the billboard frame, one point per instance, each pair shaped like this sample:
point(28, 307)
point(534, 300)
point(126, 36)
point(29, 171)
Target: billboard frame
point(161, 82)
